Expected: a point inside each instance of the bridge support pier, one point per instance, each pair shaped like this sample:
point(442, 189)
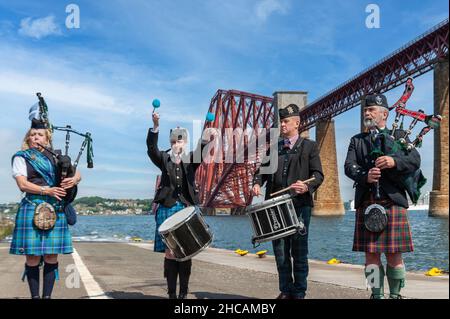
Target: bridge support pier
point(327, 199)
point(439, 194)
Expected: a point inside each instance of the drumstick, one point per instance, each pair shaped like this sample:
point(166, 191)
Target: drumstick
point(288, 188)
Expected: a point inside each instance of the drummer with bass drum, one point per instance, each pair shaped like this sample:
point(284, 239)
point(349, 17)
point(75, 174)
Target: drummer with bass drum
point(298, 161)
point(176, 191)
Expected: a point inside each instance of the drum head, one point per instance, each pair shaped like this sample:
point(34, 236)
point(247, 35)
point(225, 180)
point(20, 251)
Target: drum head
point(177, 219)
point(268, 203)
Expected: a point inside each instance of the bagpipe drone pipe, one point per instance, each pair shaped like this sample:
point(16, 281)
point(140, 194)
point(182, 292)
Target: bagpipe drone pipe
point(64, 166)
point(397, 141)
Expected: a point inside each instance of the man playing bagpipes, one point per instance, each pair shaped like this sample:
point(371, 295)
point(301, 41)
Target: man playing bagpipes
point(385, 166)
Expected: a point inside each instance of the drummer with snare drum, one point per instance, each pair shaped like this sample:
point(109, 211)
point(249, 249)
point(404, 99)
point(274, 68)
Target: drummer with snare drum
point(298, 160)
point(175, 192)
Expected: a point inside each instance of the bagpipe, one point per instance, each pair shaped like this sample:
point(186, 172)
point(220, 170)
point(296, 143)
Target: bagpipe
point(64, 166)
point(431, 121)
point(399, 144)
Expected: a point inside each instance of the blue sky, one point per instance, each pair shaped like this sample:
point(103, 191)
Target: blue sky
point(104, 75)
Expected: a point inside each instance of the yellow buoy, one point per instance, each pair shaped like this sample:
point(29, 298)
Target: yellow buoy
point(136, 239)
point(241, 252)
point(434, 272)
point(333, 261)
point(261, 253)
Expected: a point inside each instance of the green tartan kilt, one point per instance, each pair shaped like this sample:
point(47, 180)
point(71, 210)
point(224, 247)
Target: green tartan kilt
point(28, 240)
point(395, 238)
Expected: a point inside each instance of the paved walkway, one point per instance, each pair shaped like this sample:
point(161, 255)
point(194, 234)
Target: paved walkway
point(121, 270)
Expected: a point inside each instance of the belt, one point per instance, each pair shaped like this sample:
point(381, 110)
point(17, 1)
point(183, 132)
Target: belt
point(31, 198)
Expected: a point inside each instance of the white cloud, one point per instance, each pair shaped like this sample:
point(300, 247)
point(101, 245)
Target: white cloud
point(265, 8)
point(39, 28)
point(84, 89)
point(83, 96)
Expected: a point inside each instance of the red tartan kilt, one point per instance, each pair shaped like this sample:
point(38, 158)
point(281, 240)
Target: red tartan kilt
point(395, 238)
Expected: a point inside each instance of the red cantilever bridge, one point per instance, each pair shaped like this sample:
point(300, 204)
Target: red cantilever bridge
point(224, 184)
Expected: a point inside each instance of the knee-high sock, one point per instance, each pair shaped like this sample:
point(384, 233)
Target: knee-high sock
point(32, 274)
point(184, 269)
point(50, 271)
point(396, 280)
point(171, 274)
point(375, 277)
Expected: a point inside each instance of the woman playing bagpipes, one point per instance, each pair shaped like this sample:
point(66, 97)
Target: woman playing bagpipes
point(41, 231)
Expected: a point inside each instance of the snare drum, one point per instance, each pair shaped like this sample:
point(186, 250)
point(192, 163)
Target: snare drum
point(273, 219)
point(186, 233)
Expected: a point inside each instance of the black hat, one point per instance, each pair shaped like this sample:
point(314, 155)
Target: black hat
point(288, 111)
point(37, 124)
point(376, 99)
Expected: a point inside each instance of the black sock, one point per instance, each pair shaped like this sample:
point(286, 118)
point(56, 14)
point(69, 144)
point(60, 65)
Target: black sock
point(32, 273)
point(171, 274)
point(49, 279)
point(185, 272)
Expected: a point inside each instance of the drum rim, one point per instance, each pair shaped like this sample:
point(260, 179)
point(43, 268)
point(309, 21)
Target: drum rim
point(274, 237)
point(198, 251)
point(280, 199)
point(177, 225)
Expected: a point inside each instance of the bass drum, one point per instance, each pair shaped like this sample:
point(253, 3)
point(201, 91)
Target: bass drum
point(186, 233)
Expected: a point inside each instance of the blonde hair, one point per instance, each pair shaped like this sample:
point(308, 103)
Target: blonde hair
point(25, 143)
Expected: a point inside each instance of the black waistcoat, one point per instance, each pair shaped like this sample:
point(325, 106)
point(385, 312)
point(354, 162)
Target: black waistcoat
point(33, 176)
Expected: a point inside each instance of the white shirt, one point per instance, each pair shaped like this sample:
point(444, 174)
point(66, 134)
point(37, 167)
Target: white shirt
point(19, 167)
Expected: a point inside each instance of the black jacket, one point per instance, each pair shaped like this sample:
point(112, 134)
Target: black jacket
point(303, 162)
point(167, 193)
point(359, 162)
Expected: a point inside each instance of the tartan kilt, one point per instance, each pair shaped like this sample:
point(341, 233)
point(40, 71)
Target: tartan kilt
point(28, 240)
point(395, 238)
point(162, 214)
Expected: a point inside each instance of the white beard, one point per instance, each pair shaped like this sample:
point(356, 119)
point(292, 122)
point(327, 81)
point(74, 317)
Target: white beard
point(370, 123)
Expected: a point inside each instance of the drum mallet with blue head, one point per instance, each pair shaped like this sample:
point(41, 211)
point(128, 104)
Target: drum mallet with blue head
point(309, 180)
point(210, 117)
point(156, 103)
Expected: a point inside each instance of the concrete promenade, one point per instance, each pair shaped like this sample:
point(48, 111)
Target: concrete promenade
point(133, 270)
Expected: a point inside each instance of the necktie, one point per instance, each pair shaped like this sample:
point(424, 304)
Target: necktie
point(287, 143)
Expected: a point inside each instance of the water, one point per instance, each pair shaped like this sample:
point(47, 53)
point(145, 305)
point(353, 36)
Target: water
point(330, 237)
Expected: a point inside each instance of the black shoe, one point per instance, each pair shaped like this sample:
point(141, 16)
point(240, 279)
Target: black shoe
point(36, 297)
point(284, 296)
point(182, 295)
point(173, 296)
point(46, 297)
point(298, 297)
